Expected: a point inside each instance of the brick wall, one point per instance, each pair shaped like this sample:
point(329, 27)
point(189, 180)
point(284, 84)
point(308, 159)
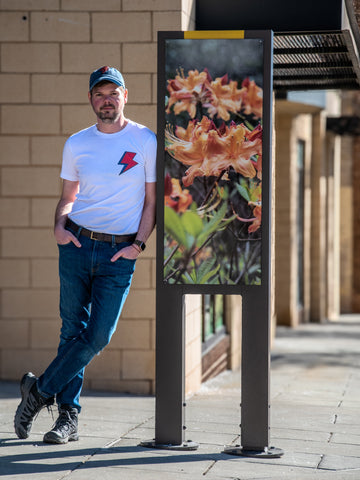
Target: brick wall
point(284, 219)
point(319, 199)
point(47, 50)
point(193, 308)
point(292, 125)
point(356, 226)
point(350, 205)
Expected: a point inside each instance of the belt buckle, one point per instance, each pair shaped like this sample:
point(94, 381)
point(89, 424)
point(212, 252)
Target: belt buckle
point(92, 237)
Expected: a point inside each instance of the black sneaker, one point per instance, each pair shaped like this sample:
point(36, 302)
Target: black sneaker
point(31, 404)
point(65, 427)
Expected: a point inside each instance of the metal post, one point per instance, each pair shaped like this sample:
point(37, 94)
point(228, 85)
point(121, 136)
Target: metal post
point(255, 372)
point(170, 372)
point(256, 318)
point(255, 376)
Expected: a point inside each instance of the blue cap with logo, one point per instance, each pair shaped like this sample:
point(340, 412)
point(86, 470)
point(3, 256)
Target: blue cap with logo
point(110, 74)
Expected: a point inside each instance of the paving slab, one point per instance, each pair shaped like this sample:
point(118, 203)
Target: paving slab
point(339, 462)
point(253, 469)
point(315, 412)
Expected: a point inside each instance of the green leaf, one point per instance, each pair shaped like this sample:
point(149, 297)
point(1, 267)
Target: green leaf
point(254, 268)
point(213, 224)
point(249, 125)
point(205, 267)
point(188, 279)
point(192, 223)
point(206, 271)
point(173, 226)
point(243, 192)
point(204, 279)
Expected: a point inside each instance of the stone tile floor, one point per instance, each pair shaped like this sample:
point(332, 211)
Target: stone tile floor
point(315, 419)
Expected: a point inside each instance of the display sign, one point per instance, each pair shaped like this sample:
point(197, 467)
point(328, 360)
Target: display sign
point(213, 213)
point(211, 160)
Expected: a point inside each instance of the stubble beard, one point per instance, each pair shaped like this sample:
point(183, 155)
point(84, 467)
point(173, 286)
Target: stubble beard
point(108, 116)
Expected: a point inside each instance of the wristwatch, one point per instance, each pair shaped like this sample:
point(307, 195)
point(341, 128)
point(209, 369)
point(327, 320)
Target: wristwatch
point(140, 244)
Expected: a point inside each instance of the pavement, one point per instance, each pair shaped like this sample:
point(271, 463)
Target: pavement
point(315, 420)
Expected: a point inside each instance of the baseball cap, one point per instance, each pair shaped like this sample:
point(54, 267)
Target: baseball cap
point(110, 74)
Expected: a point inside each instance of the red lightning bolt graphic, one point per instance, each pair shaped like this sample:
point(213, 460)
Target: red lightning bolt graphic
point(127, 162)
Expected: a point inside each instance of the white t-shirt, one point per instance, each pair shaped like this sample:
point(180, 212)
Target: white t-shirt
point(112, 170)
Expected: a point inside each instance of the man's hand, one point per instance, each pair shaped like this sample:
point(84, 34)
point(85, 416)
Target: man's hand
point(63, 236)
point(130, 252)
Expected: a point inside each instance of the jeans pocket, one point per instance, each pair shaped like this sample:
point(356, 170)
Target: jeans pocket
point(64, 244)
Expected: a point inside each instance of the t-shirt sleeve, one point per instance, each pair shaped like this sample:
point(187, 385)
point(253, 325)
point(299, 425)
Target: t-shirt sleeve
point(150, 159)
point(68, 169)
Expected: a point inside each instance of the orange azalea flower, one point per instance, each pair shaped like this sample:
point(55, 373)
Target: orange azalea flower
point(254, 191)
point(256, 221)
point(210, 151)
point(220, 96)
point(224, 98)
point(176, 198)
point(256, 197)
point(258, 166)
point(252, 98)
point(186, 92)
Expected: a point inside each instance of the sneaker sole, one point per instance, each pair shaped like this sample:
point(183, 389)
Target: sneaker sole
point(48, 438)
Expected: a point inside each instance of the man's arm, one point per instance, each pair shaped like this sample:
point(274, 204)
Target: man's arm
point(147, 223)
point(68, 195)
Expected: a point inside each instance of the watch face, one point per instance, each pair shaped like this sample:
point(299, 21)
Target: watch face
point(140, 244)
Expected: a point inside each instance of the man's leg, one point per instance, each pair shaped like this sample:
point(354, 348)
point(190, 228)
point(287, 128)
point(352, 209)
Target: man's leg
point(74, 308)
point(75, 298)
point(110, 286)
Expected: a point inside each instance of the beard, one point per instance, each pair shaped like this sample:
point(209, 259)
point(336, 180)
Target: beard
point(108, 116)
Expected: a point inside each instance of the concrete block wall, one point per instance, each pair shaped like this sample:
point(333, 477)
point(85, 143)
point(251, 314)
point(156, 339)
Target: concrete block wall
point(347, 209)
point(291, 126)
point(319, 247)
point(193, 309)
point(323, 217)
point(47, 50)
point(356, 226)
point(285, 234)
point(304, 131)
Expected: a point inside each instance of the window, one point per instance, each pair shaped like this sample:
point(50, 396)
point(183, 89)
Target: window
point(215, 340)
point(300, 222)
point(213, 316)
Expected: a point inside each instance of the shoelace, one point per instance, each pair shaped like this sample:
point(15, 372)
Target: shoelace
point(64, 422)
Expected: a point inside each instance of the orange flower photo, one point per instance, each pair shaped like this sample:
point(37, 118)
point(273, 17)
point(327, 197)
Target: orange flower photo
point(213, 162)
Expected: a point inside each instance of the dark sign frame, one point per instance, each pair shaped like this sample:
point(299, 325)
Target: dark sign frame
point(170, 309)
point(241, 288)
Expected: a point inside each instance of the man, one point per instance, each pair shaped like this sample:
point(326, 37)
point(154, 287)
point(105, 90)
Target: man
point(104, 217)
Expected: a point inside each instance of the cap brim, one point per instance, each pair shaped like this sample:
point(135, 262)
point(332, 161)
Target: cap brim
point(108, 78)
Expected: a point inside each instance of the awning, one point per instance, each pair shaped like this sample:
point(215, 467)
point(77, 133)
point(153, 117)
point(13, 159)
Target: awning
point(326, 60)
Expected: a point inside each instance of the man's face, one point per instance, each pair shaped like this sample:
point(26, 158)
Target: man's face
point(108, 101)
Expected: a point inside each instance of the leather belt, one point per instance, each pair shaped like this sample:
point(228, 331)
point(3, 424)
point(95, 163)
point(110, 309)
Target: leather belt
point(100, 237)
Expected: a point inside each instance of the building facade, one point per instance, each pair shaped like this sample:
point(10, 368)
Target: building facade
point(47, 50)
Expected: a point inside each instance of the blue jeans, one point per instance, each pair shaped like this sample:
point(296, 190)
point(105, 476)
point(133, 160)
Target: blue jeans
point(92, 294)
